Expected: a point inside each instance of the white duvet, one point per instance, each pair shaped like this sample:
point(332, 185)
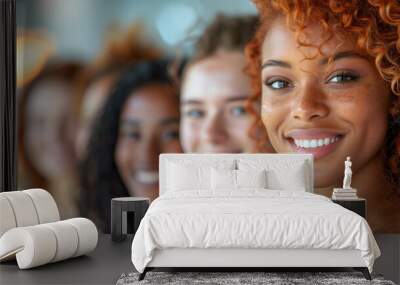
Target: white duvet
point(250, 219)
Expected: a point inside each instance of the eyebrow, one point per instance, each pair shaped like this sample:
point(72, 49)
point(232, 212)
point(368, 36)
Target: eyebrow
point(325, 60)
point(232, 99)
point(275, 62)
point(169, 121)
point(240, 98)
point(342, 54)
point(130, 121)
point(191, 101)
point(136, 122)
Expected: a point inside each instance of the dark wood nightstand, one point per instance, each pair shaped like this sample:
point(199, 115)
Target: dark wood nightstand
point(126, 214)
point(358, 206)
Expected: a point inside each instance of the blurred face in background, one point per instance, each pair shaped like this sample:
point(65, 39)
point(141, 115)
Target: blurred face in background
point(214, 117)
point(92, 102)
point(48, 128)
point(149, 126)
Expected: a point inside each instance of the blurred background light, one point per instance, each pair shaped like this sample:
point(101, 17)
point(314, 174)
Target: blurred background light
point(174, 22)
point(78, 27)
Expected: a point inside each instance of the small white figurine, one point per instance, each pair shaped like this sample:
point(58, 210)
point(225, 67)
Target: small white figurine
point(347, 174)
point(347, 192)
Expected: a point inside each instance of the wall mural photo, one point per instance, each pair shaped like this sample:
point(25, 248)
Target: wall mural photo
point(105, 87)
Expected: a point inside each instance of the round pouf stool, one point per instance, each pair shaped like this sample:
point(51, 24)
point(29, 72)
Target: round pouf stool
point(126, 211)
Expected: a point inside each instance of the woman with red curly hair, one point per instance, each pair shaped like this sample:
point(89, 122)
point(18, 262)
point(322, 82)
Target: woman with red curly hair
point(328, 77)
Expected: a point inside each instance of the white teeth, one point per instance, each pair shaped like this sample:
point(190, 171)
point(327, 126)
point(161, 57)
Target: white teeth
point(315, 142)
point(146, 177)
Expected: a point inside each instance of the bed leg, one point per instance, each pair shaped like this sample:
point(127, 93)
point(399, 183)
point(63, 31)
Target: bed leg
point(143, 274)
point(364, 271)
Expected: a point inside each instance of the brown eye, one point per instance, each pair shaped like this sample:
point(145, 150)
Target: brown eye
point(130, 134)
point(170, 135)
point(133, 135)
point(343, 77)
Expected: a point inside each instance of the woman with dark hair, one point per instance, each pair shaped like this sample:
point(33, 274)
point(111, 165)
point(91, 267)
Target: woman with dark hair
point(328, 76)
point(95, 81)
point(140, 120)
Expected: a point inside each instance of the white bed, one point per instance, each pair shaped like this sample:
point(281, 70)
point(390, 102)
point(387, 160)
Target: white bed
point(197, 223)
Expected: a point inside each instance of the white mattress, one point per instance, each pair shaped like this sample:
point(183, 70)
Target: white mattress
point(250, 219)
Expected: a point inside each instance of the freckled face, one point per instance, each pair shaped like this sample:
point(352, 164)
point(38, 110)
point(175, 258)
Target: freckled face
point(331, 110)
point(214, 116)
point(149, 126)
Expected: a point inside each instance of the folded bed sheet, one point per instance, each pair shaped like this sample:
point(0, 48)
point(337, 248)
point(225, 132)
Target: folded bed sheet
point(253, 218)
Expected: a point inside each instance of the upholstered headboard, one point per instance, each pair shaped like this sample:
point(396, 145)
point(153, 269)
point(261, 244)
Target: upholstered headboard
point(272, 159)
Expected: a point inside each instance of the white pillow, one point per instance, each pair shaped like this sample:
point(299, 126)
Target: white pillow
point(226, 179)
point(185, 174)
point(251, 178)
point(181, 178)
point(291, 180)
point(223, 179)
point(282, 174)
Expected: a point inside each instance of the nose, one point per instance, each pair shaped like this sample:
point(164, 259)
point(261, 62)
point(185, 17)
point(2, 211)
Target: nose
point(310, 104)
point(148, 153)
point(214, 131)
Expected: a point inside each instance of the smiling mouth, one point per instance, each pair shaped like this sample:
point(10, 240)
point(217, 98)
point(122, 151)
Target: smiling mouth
point(146, 177)
point(313, 142)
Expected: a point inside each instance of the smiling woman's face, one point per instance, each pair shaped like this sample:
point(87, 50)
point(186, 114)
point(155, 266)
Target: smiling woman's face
point(213, 105)
point(149, 125)
point(331, 110)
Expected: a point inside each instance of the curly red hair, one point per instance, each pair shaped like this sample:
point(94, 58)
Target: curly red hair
point(375, 27)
